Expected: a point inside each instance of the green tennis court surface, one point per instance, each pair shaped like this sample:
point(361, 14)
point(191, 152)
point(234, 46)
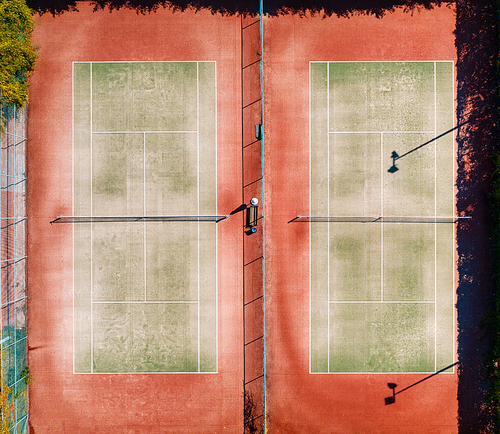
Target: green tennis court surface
point(145, 145)
point(382, 294)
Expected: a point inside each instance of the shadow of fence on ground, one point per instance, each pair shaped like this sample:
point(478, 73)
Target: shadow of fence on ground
point(477, 98)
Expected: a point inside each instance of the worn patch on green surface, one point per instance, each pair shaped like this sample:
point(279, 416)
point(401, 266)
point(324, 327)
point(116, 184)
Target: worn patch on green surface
point(382, 293)
point(145, 293)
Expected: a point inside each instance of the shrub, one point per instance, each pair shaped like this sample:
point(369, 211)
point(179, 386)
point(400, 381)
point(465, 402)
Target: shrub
point(17, 55)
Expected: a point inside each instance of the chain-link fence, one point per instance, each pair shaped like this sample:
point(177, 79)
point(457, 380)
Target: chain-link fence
point(13, 334)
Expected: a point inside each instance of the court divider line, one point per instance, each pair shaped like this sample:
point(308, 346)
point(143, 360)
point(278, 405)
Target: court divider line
point(261, 71)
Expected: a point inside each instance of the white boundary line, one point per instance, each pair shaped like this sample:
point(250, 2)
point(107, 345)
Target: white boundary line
point(328, 203)
point(381, 132)
point(145, 132)
point(91, 230)
point(144, 235)
point(146, 61)
point(381, 213)
point(375, 61)
point(216, 234)
point(147, 302)
point(434, 62)
point(73, 198)
point(198, 198)
point(381, 301)
point(155, 373)
point(435, 224)
point(310, 211)
point(144, 204)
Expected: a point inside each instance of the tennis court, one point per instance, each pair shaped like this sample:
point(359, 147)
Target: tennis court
point(145, 292)
point(382, 293)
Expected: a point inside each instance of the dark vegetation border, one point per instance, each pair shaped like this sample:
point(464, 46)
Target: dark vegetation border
point(478, 305)
point(478, 172)
point(491, 323)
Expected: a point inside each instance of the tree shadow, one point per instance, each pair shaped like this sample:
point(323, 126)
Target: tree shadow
point(252, 420)
point(344, 8)
point(476, 42)
point(246, 7)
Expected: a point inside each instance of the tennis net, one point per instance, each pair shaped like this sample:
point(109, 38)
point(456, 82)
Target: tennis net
point(378, 219)
point(128, 219)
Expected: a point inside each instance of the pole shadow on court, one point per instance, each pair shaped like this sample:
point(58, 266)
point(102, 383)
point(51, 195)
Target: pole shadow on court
point(396, 157)
point(392, 399)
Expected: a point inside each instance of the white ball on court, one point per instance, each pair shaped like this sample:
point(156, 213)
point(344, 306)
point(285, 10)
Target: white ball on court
point(254, 201)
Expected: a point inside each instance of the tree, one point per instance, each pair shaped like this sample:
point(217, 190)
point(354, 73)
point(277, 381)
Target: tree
point(17, 55)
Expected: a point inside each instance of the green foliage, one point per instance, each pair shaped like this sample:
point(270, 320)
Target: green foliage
point(17, 56)
point(26, 375)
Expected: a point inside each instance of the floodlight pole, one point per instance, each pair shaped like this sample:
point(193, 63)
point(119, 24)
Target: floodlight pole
point(391, 399)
